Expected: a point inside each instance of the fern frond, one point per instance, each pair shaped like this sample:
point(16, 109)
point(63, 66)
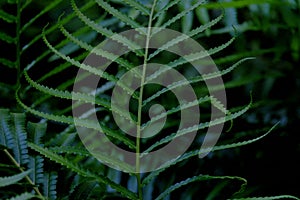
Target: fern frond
point(88, 68)
point(83, 172)
point(42, 12)
point(76, 96)
point(166, 8)
point(7, 38)
point(36, 164)
point(20, 139)
point(121, 16)
point(7, 63)
point(270, 197)
point(202, 54)
point(199, 178)
point(24, 196)
point(100, 52)
point(36, 131)
point(55, 26)
point(238, 3)
point(198, 127)
point(106, 32)
point(6, 135)
point(176, 109)
point(196, 79)
point(137, 5)
point(79, 122)
point(181, 14)
point(84, 152)
point(183, 37)
point(190, 58)
point(49, 185)
point(197, 152)
point(5, 181)
point(7, 17)
point(83, 190)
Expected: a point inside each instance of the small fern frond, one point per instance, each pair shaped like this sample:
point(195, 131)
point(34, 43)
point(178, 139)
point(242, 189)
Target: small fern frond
point(5, 181)
point(7, 63)
point(190, 58)
point(83, 172)
point(196, 79)
point(79, 122)
point(202, 54)
point(181, 14)
point(166, 8)
point(24, 196)
point(99, 51)
point(49, 185)
point(6, 38)
point(190, 154)
point(267, 198)
point(137, 5)
point(83, 190)
point(121, 16)
point(6, 135)
point(20, 139)
point(177, 109)
point(42, 12)
point(198, 127)
point(7, 17)
point(36, 164)
point(106, 32)
point(84, 152)
point(200, 178)
point(184, 37)
point(36, 131)
point(88, 5)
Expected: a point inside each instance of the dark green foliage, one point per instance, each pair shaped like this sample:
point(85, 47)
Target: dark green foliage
point(46, 44)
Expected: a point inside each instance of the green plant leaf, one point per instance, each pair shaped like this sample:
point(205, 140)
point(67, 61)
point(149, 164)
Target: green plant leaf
point(199, 178)
point(5, 181)
point(83, 172)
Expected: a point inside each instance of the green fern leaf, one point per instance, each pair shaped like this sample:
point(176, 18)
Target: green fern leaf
point(176, 109)
point(83, 190)
point(184, 37)
point(190, 154)
point(83, 172)
point(20, 139)
point(84, 152)
point(190, 58)
point(7, 63)
point(6, 135)
point(138, 6)
point(196, 79)
point(119, 15)
point(6, 38)
point(99, 52)
point(181, 14)
point(80, 122)
point(51, 29)
point(198, 127)
point(49, 185)
point(7, 17)
point(166, 8)
point(5, 181)
point(106, 32)
point(199, 178)
point(36, 164)
point(52, 5)
point(24, 196)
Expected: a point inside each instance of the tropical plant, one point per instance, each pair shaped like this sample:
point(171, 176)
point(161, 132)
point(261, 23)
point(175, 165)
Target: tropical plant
point(59, 166)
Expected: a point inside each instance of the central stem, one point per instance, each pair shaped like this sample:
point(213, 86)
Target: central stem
point(140, 103)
